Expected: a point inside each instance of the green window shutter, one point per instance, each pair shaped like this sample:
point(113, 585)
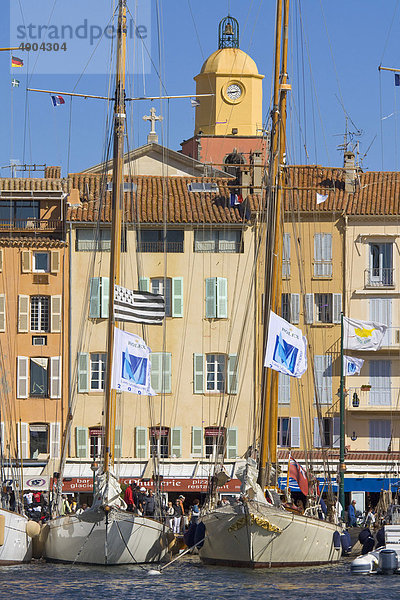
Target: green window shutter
point(176, 441)
point(198, 373)
point(211, 298)
point(166, 372)
point(155, 373)
point(105, 295)
point(94, 306)
point(118, 443)
point(83, 372)
point(144, 284)
point(197, 441)
point(177, 296)
point(81, 441)
point(222, 298)
point(232, 387)
point(141, 442)
point(231, 442)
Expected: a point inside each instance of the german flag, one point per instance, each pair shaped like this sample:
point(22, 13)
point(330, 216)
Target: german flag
point(16, 62)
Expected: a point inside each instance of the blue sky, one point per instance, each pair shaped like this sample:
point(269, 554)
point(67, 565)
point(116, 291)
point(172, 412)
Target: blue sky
point(335, 50)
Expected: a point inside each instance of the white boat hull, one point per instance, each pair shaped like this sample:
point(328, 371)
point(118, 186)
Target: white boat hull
point(299, 541)
point(17, 546)
point(124, 539)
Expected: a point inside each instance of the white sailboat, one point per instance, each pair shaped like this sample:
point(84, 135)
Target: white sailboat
point(257, 532)
point(106, 533)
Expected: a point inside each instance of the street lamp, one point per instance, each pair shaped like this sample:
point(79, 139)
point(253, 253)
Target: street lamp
point(94, 466)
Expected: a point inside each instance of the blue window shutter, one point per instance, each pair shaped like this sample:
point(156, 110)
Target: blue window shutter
point(309, 308)
point(380, 311)
point(144, 284)
point(317, 434)
point(118, 443)
point(105, 296)
point(380, 380)
point(232, 383)
point(337, 307)
point(166, 372)
point(295, 432)
point(197, 441)
point(336, 432)
point(155, 374)
point(141, 442)
point(198, 373)
point(94, 306)
point(177, 296)
point(211, 298)
point(83, 372)
point(294, 308)
point(284, 389)
point(231, 442)
point(379, 435)
point(176, 442)
point(222, 298)
point(81, 439)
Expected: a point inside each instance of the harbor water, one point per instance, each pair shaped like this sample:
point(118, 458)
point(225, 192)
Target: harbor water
point(189, 579)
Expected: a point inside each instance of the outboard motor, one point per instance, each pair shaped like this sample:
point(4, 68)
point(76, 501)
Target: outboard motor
point(387, 564)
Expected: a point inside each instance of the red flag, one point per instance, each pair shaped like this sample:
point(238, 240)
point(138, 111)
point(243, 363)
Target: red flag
point(297, 472)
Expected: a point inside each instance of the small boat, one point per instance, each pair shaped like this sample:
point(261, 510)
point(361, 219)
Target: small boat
point(385, 559)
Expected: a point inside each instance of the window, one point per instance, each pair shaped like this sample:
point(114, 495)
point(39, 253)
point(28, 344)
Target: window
point(216, 371)
point(98, 362)
point(214, 441)
point(173, 287)
point(380, 435)
point(323, 255)
point(216, 298)
point(99, 240)
point(327, 433)
point(40, 313)
point(380, 273)
point(323, 378)
point(290, 308)
point(161, 372)
point(380, 393)
point(197, 186)
point(39, 380)
point(40, 262)
point(162, 286)
point(289, 432)
point(380, 311)
point(156, 240)
point(96, 440)
point(323, 308)
point(19, 210)
point(286, 256)
point(218, 240)
point(159, 442)
point(38, 439)
point(284, 389)
point(99, 297)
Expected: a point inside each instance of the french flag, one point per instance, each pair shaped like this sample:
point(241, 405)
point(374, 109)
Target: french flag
point(57, 100)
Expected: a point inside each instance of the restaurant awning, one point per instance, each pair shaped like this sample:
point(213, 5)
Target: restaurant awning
point(370, 484)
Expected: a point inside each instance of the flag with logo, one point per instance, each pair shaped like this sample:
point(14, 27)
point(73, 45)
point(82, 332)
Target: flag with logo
point(131, 365)
point(362, 335)
point(286, 350)
point(297, 472)
point(352, 366)
point(138, 307)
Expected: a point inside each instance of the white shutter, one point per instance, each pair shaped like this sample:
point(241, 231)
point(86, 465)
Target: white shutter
point(309, 308)
point(81, 441)
point(2, 312)
point(141, 442)
point(55, 377)
point(231, 442)
point(197, 441)
point(177, 296)
point(54, 261)
point(286, 255)
point(327, 254)
point(380, 380)
point(295, 432)
point(144, 284)
point(211, 298)
point(323, 378)
point(232, 383)
point(22, 376)
point(118, 443)
point(83, 372)
point(55, 440)
point(284, 389)
point(317, 434)
point(104, 296)
point(336, 432)
point(166, 359)
point(23, 440)
point(294, 308)
point(56, 309)
point(23, 314)
point(161, 372)
point(25, 261)
point(317, 254)
point(198, 374)
point(2, 434)
point(94, 305)
point(337, 307)
point(222, 298)
point(379, 435)
point(380, 311)
point(176, 442)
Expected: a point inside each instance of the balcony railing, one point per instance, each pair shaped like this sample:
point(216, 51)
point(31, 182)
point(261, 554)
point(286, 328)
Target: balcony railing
point(370, 398)
point(159, 246)
point(30, 224)
point(379, 278)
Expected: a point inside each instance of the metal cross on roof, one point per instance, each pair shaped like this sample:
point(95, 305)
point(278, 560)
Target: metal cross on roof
point(152, 137)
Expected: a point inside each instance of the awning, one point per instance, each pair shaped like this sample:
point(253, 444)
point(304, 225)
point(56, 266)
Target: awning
point(169, 484)
point(370, 484)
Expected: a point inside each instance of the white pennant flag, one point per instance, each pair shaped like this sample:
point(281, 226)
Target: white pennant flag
point(362, 335)
point(131, 364)
point(352, 366)
point(286, 350)
point(321, 198)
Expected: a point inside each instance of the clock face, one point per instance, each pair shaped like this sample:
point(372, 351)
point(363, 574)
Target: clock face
point(233, 91)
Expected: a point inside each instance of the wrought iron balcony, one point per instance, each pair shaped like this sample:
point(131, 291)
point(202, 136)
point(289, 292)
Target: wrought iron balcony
point(160, 246)
point(379, 278)
point(30, 224)
point(370, 398)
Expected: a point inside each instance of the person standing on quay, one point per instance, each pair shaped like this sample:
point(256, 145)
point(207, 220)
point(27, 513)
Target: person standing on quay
point(178, 514)
point(352, 514)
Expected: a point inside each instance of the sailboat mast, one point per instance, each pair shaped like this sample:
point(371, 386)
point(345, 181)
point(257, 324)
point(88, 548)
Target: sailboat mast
point(116, 208)
point(269, 388)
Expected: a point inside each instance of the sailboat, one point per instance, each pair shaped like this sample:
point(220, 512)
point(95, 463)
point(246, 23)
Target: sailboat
point(259, 531)
point(106, 533)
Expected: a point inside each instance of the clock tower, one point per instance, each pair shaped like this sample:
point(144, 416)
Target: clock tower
point(232, 116)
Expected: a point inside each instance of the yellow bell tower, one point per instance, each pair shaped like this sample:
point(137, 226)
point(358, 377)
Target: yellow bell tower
point(232, 76)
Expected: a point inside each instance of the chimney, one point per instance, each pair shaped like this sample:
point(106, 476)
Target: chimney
point(256, 161)
point(74, 198)
point(349, 172)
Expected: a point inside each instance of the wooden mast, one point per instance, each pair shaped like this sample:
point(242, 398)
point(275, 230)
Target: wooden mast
point(116, 208)
point(273, 254)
